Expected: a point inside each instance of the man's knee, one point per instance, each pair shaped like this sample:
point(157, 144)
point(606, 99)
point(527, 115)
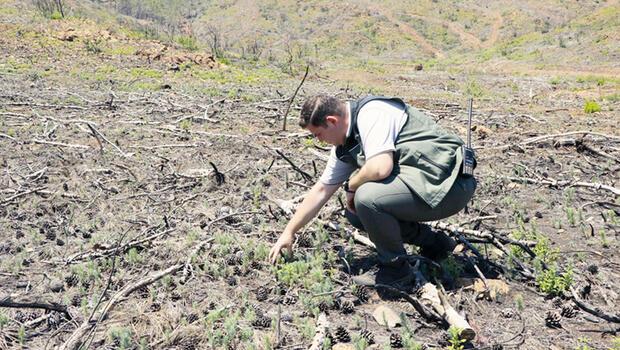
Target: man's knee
point(365, 197)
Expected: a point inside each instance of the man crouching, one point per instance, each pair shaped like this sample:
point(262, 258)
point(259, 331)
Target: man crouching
point(408, 171)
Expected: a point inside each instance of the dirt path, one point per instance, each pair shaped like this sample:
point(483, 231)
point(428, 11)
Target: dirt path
point(499, 21)
point(456, 28)
point(407, 29)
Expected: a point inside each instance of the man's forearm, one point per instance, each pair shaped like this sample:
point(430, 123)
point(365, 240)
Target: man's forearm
point(376, 168)
point(361, 177)
point(318, 195)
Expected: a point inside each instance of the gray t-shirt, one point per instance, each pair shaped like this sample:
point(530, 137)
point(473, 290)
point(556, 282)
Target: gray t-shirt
point(379, 123)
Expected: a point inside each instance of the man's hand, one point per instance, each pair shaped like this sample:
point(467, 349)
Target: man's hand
point(351, 201)
point(285, 242)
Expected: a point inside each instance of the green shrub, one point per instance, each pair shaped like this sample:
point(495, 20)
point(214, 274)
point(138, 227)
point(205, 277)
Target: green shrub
point(591, 107)
point(555, 81)
point(56, 15)
point(550, 282)
point(187, 42)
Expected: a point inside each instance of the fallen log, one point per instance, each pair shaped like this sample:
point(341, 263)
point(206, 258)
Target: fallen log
point(564, 183)
point(34, 304)
point(431, 296)
point(321, 331)
point(593, 309)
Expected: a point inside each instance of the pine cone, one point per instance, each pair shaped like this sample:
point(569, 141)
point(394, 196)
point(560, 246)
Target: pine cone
point(262, 322)
point(593, 269)
point(346, 306)
point(342, 335)
point(323, 306)
point(50, 235)
point(507, 313)
point(361, 293)
point(54, 320)
point(557, 302)
point(552, 319)
point(584, 292)
point(76, 300)
point(232, 281)
point(20, 317)
point(231, 260)
point(256, 308)
point(143, 292)
point(86, 284)
point(289, 300)
point(155, 307)
point(237, 271)
point(87, 234)
point(396, 341)
point(366, 334)
point(72, 280)
point(262, 293)
point(304, 241)
point(175, 296)
point(256, 265)
point(568, 311)
point(191, 318)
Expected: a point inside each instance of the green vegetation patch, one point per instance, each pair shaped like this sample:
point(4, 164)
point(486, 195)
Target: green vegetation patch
point(123, 50)
point(146, 73)
point(514, 49)
point(237, 75)
point(187, 42)
point(591, 107)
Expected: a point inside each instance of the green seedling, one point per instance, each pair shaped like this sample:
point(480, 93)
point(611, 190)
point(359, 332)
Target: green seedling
point(519, 303)
point(591, 107)
point(456, 343)
point(4, 319)
point(122, 336)
point(603, 237)
point(570, 216)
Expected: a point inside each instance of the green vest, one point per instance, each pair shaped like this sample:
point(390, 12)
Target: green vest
point(427, 158)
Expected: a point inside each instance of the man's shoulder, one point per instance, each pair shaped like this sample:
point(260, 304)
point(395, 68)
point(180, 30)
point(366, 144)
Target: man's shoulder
point(380, 107)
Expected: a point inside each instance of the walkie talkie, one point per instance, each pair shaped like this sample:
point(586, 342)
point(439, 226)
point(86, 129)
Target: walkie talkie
point(469, 157)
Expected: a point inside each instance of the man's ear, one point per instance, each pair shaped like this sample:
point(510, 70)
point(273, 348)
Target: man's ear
point(331, 119)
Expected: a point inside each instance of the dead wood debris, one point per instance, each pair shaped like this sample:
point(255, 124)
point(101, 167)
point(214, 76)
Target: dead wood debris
point(34, 304)
point(292, 98)
point(76, 339)
point(322, 324)
point(538, 139)
point(564, 183)
point(593, 309)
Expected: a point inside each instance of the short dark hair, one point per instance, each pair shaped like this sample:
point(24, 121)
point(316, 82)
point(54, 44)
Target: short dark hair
point(318, 107)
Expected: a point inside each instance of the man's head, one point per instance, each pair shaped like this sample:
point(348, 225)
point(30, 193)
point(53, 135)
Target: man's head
point(326, 118)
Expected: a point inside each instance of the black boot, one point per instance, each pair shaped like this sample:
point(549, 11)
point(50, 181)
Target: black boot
point(401, 276)
point(441, 247)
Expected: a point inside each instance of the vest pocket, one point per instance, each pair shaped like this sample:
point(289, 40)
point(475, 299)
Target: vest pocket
point(422, 157)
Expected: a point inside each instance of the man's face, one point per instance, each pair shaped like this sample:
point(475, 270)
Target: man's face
point(331, 133)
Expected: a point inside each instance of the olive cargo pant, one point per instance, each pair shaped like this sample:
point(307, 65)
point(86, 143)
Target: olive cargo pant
point(389, 212)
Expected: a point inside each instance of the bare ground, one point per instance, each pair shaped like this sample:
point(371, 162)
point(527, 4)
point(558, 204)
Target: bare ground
point(104, 186)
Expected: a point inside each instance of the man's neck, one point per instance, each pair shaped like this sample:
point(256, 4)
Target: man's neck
point(347, 120)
